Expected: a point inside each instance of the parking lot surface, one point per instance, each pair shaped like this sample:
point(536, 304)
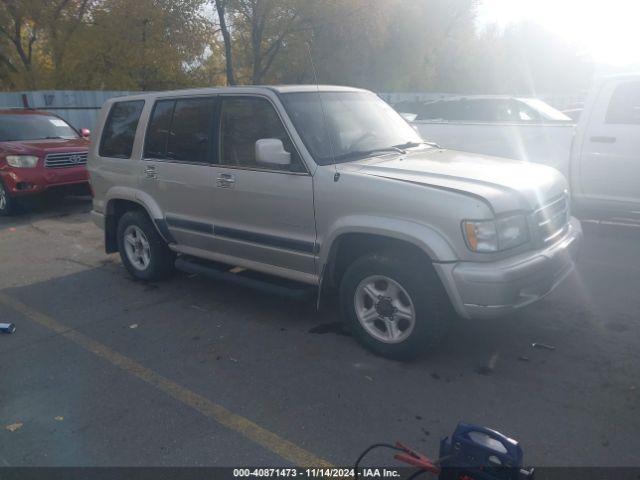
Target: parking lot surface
point(103, 370)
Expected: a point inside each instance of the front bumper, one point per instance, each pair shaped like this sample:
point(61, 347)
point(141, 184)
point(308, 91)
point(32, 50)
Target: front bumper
point(30, 181)
point(483, 290)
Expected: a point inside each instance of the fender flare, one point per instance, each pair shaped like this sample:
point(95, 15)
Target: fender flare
point(133, 195)
point(428, 239)
point(145, 201)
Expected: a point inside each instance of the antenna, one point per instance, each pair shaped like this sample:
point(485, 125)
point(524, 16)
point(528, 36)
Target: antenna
point(336, 175)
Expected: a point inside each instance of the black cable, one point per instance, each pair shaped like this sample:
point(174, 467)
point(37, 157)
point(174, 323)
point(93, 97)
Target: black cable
point(374, 446)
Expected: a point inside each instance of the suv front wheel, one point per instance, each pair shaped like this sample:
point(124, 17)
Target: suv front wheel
point(392, 305)
point(143, 251)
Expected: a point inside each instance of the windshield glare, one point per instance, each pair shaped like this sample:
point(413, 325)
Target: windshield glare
point(34, 127)
point(547, 111)
point(352, 122)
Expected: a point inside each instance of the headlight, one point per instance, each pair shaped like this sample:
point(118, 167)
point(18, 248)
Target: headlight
point(495, 235)
point(22, 161)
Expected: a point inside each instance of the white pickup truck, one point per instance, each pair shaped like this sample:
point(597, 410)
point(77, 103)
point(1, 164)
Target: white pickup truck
point(600, 156)
point(604, 166)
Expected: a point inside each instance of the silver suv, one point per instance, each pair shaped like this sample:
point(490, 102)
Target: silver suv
point(329, 186)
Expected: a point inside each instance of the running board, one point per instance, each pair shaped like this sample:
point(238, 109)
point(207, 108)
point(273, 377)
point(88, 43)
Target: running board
point(246, 278)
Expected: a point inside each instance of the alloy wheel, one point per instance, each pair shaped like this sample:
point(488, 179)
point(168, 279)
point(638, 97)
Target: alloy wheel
point(384, 309)
point(137, 247)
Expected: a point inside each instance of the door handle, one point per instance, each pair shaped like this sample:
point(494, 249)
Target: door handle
point(150, 171)
point(225, 180)
point(603, 139)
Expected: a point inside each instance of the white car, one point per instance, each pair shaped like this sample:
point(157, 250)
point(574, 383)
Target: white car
point(517, 128)
point(600, 156)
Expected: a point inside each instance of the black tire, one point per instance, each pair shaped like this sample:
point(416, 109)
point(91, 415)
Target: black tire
point(432, 310)
point(8, 206)
point(161, 258)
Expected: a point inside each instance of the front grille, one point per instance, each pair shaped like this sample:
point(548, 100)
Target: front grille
point(64, 160)
point(552, 219)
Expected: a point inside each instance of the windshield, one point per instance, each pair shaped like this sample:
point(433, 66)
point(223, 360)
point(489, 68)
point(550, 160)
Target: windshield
point(357, 123)
point(546, 111)
point(34, 127)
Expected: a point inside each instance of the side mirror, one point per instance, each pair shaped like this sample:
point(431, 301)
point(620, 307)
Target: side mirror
point(272, 152)
point(85, 132)
point(409, 117)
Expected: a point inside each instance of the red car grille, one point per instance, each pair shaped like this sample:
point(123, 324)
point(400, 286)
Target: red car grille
point(65, 160)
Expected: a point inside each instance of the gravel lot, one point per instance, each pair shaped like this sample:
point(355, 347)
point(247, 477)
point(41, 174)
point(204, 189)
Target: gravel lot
point(103, 370)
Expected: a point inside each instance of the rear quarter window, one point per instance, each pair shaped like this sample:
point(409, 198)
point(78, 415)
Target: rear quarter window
point(120, 129)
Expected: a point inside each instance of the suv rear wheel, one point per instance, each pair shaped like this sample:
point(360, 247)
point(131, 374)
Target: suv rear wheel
point(7, 203)
point(142, 250)
point(394, 308)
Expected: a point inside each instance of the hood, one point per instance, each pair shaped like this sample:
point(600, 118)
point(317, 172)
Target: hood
point(43, 147)
point(506, 184)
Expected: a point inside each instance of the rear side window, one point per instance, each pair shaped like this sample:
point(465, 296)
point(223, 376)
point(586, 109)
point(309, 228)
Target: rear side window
point(518, 112)
point(158, 132)
point(624, 107)
point(120, 129)
point(445, 111)
point(433, 111)
point(181, 130)
point(479, 111)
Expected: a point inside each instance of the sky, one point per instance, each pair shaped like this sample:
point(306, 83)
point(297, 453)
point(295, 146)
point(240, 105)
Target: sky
point(608, 30)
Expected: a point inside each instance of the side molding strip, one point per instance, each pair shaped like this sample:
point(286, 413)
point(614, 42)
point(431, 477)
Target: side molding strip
point(243, 235)
point(270, 240)
point(190, 225)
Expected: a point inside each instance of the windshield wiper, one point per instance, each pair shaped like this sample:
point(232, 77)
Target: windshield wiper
point(52, 138)
point(417, 144)
point(365, 153)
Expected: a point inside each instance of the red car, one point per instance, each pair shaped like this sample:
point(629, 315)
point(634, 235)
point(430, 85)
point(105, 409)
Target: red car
point(39, 151)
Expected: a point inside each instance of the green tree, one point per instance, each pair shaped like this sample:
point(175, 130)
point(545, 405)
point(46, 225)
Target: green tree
point(141, 45)
point(35, 36)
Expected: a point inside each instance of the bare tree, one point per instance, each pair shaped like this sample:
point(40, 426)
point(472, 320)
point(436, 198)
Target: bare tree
point(21, 33)
point(271, 22)
point(221, 7)
point(255, 31)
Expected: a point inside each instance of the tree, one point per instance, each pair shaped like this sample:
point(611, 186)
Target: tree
point(254, 32)
point(347, 39)
point(19, 30)
point(37, 35)
point(390, 45)
point(221, 8)
point(141, 45)
point(64, 20)
point(270, 23)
